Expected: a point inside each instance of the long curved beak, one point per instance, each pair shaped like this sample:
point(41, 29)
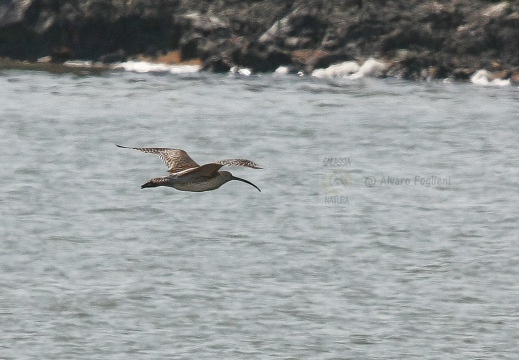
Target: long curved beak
point(245, 181)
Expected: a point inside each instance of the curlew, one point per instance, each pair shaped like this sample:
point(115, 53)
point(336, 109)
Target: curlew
point(187, 175)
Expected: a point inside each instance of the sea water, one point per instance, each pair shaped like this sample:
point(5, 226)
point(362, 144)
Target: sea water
point(386, 226)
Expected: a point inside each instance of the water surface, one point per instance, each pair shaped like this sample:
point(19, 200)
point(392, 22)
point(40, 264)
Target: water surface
point(94, 267)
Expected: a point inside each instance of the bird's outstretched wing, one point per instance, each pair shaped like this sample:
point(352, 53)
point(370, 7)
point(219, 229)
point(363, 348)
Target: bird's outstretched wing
point(238, 162)
point(175, 159)
point(207, 170)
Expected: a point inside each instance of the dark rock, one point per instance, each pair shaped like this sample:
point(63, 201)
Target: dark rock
point(438, 38)
point(299, 29)
point(189, 47)
point(13, 12)
point(217, 64)
point(200, 33)
point(308, 60)
point(61, 54)
point(262, 59)
point(325, 59)
point(89, 28)
point(116, 56)
point(462, 74)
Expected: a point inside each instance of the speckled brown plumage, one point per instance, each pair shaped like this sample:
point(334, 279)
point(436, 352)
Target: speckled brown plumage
point(175, 159)
point(187, 175)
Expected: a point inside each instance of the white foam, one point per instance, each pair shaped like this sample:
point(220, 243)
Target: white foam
point(338, 70)
point(352, 70)
point(184, 69)
point(282, 70)
point(78, 63)
point(484, 77)
point(370, 68)
point(240, 71)
point(245, 72)
point(145, 67)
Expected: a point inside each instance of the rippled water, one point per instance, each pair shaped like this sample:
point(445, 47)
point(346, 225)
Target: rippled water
point(386, 226)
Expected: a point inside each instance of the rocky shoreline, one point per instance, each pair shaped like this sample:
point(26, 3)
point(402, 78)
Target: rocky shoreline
point(414, 39)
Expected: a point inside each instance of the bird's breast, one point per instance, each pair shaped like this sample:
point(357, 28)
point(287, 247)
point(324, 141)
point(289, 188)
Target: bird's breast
point(198, 183)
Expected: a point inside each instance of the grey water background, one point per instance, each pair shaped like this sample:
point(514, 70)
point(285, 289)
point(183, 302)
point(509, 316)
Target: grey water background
point(93, 267)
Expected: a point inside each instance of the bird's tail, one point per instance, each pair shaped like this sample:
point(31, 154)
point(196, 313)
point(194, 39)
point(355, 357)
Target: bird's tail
point(150, 184)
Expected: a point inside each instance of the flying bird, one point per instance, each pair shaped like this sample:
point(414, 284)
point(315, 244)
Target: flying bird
point(187, 175)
